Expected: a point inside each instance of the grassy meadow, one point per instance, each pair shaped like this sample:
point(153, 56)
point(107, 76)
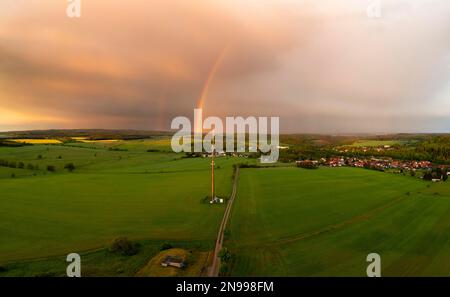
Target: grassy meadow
point(286, 221)
point(126, 191)
point(297, 222)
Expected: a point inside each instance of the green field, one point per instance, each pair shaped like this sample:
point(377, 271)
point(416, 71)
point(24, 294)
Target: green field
point(375, 143)
point(134, 193)
point(297, 222)
point(162, 144)
point(286, 221)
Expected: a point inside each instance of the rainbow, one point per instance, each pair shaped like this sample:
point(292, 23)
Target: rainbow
point(210, 77)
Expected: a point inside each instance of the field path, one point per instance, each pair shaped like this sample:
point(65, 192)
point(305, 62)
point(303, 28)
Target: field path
point(214, 269)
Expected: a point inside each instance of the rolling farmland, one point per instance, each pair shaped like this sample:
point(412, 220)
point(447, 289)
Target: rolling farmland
point(285, 221)
point(297, 222)
point(133, 193)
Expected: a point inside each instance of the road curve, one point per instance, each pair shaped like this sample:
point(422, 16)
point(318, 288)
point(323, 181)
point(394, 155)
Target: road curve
point(214, 268)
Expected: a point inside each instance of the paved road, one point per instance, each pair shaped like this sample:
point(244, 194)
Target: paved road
point(214, 269)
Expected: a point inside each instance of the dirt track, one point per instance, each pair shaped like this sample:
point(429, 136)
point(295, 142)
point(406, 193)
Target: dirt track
point(214, 269)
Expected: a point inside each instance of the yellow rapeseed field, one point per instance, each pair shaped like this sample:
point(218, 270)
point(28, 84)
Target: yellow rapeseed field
point(38, 141)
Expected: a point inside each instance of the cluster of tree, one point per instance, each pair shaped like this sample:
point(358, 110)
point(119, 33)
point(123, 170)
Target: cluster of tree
point(319, 140)
point(246, 165)
point(69, 166)
point(5, 142)
point(116, 149)
point(225, 261)
point(124, 247)
point(159, 151)
point(307, 164)
point(166, 246)
point(153, 151)
point(192, 155)
point(93, 134)
point(305, 152)
point(20, 165)
point(436, 173)
point(434, 148)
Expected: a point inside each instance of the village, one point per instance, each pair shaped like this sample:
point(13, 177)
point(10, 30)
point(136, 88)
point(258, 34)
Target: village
point(419, 168)
point(430, 171)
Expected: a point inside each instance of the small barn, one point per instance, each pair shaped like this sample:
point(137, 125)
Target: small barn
point(174, 262)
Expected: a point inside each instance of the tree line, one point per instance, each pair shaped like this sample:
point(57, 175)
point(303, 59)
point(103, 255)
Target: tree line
point(21, 165)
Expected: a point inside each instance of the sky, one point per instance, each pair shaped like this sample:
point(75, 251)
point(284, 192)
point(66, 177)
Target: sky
point(321, 66)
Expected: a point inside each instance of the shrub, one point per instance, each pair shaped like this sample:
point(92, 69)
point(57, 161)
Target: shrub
point(428, 176)
point(192, 155)
point(51, 168)
point(226, 234)
point(246, 165)
point(116, 149)
point(307, 165)
point(21, 165)
point(124, 247)
point(224, 269)
point(225, 255)
point(166, 246)
point(70, 167)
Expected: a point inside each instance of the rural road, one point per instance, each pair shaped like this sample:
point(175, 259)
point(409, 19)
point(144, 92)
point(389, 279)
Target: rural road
point(214, 269)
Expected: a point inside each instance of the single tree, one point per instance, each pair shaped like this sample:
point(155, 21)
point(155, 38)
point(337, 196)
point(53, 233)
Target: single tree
point(70, 167)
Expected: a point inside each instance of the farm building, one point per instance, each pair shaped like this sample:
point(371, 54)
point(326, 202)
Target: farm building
point(216, 200)
point(174, 262)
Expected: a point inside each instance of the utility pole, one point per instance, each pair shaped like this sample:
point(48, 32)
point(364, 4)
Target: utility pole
point(213, 194)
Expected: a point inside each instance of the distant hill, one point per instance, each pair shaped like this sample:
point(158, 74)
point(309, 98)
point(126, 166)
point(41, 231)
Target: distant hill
point(90, 133)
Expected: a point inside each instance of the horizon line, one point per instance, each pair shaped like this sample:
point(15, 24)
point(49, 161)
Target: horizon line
point(171, 131)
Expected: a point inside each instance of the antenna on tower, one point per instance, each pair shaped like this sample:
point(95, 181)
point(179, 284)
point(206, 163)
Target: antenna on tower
point(213, 149)
point(214, 198)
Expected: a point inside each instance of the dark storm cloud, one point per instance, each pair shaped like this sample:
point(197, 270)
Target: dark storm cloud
point(138, 65)
point(136, 62)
